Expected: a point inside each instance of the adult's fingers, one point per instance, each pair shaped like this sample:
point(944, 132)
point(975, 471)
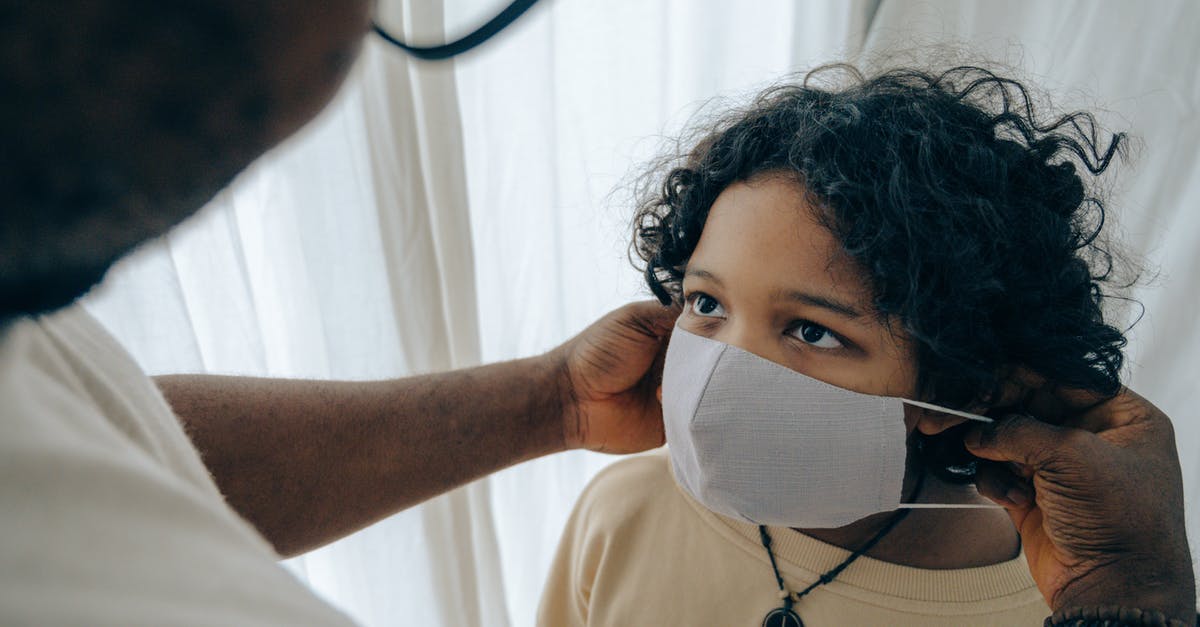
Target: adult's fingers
point(998, 482)
point(651, 317)
point(652, 382)
point(1057, 404)
point(1019, 386)
point(1028, 392)
point(1018, 439)
point(1125, 409)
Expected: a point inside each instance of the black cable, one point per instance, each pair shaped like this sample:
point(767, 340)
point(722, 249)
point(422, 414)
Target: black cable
point(836, 570)
point(766, 542)
point(463, 44)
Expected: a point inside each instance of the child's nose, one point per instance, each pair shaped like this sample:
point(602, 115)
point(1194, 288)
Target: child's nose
point(755, 339)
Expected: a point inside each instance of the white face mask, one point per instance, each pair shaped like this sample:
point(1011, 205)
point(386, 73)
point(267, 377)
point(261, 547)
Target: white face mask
point(754, 440)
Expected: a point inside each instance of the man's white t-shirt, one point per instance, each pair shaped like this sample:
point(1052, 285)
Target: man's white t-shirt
point(107, 514)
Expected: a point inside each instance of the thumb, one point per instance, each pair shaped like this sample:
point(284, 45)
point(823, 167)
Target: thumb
point(1019, 439)
point(651, 317)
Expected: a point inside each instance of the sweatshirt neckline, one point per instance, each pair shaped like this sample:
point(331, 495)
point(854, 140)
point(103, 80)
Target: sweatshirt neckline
point(803, 558)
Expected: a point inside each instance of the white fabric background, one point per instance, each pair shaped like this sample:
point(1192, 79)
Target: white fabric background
point(440, 215)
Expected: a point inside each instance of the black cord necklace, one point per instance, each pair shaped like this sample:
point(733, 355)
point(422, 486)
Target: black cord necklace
point(785, 616)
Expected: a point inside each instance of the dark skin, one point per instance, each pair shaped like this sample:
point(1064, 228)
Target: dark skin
point(308, 462)
point(1096, 491)
point(123, 117)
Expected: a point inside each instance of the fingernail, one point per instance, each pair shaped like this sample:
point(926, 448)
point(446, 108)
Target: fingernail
point(1017, 496)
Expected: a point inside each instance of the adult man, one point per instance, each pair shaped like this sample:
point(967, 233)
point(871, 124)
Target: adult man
point(120, 119)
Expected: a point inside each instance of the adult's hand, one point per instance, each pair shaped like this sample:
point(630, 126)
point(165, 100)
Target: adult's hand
point(1098, 500)
point(609, 376)
point(309, 461)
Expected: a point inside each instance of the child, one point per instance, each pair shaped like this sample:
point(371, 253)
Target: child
point(836, 249)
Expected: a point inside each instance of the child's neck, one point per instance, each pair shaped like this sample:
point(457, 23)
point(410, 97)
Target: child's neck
point(935, 539)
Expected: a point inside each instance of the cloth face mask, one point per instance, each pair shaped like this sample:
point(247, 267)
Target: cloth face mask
point(756, 441)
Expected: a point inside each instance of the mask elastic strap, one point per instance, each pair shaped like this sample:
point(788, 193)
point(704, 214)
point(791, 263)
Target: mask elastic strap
point(946, 410)
point(962, 414)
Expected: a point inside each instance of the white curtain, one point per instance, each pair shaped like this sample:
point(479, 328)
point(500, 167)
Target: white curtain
point(438, 215)
point(1138, 63)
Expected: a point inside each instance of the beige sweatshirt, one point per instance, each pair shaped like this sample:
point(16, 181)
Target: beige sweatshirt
point(639, 551)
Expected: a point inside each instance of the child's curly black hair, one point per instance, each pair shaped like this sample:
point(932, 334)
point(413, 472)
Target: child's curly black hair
point(966, 212)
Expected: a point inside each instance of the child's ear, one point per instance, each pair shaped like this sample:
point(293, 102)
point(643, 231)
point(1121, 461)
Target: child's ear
point(659, 393)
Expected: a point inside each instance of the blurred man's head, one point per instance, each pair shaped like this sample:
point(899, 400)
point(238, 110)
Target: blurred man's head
point(121, 118)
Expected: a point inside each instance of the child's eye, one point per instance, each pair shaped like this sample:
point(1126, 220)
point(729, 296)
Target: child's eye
point(706, 306)
point(816, 335)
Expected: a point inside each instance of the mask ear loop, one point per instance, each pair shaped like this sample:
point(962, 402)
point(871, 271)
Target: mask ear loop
point(961, 414)
point(946, 410)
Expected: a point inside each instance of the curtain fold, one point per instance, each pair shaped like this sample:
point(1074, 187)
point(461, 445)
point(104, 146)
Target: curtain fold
point(439, 215)
point(344, 253)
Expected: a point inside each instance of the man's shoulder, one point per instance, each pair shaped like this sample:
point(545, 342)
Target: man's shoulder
point(102, 498)
point(72, 380)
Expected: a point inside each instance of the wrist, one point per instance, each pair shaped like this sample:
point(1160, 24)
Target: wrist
point(525, 402)
point(1116, 616)
point(564, 402)
point(1150, 587)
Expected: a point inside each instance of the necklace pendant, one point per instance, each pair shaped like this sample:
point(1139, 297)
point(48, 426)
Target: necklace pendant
point(782, 617)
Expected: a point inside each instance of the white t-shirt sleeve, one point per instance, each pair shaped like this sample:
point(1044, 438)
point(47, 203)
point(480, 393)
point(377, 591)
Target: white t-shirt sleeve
point(107, 514)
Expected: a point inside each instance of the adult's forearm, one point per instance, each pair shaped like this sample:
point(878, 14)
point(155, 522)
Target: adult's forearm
point(307, 462)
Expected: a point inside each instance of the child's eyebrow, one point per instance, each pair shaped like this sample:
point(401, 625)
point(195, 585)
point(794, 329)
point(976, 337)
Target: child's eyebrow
point(842, 309)
point(703, 274)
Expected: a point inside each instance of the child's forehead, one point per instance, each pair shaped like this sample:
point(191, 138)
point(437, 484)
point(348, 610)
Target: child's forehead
point(767, 230)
